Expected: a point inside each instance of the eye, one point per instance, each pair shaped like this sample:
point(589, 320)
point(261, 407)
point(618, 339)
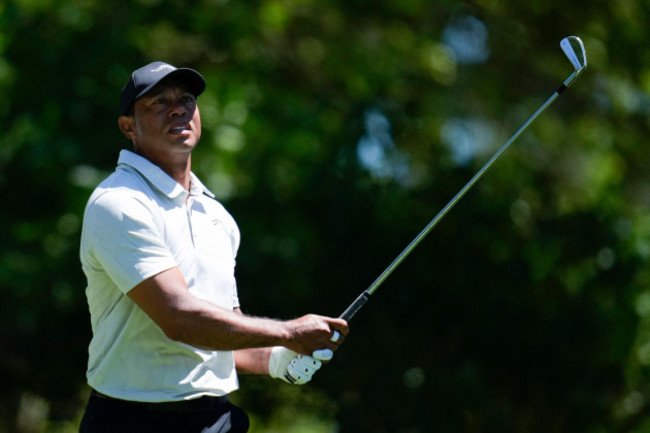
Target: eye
point(188, 98)
point(160, 100)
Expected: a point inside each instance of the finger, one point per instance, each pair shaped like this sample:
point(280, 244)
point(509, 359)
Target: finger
point(306, 364)
point(295, 377)
point(300, 375)
point(323, 354)
point(340, 325)
point(310, 361)
point(336, 336)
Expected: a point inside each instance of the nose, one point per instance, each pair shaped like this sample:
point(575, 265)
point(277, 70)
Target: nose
point(177, 108)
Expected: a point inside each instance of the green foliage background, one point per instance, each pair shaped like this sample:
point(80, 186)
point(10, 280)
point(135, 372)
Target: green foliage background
point(526, 310)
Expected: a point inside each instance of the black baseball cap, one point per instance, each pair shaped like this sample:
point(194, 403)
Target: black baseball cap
point(144, 79)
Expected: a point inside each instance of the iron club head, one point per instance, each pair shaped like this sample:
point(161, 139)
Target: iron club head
point(575, 51)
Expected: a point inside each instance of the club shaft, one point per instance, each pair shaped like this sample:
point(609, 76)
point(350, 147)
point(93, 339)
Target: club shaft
point(365, 295)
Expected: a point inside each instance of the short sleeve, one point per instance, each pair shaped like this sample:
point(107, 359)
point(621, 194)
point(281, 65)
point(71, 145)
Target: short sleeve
point(125, 239)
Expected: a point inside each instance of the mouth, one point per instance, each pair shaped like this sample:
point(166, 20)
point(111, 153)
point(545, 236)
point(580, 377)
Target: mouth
point(180, 129)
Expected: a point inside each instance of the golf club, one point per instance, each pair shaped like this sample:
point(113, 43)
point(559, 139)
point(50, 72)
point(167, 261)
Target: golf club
point(574, 49)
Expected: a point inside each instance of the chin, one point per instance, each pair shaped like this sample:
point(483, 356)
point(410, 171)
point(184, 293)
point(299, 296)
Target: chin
point(188, 142)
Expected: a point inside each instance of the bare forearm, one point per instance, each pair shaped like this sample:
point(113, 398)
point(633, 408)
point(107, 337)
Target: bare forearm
point(186, 318)
point(253, 361)
point(211, 327)
point(207, 326)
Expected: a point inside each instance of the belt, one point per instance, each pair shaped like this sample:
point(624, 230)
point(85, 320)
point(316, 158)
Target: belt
point(181, 406)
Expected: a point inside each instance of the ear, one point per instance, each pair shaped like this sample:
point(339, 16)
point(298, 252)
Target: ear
point(127, 126)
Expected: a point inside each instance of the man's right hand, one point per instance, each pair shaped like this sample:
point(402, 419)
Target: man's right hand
point(312, 333)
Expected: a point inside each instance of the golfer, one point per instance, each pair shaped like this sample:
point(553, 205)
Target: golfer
point(158, 252)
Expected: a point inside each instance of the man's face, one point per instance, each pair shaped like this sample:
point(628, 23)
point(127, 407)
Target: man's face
point(166, 123)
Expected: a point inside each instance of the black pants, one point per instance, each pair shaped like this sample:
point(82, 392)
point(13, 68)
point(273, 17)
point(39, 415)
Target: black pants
point(205, 415)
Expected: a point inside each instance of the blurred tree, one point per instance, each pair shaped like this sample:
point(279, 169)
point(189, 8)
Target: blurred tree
point(333, 132)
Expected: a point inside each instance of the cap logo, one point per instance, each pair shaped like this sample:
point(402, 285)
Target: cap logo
point(162, 68)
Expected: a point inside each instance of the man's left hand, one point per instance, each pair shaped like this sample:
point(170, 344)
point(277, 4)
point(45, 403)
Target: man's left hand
point(293, 368)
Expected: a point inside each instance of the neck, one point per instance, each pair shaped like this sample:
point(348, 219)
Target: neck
point(178, 169)
point(180, 172)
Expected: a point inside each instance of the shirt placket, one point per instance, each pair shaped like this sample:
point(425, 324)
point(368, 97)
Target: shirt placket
point(189, 204)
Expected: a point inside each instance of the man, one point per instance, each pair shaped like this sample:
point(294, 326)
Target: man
point(159, 253)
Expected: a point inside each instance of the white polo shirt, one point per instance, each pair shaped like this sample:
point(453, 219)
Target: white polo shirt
point(137, 224)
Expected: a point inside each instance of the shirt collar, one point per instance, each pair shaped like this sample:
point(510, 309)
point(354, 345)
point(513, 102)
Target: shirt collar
point(159, 179)
point(197, 187)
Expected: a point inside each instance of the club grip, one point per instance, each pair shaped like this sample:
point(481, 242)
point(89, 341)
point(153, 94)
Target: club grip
point(355, 307)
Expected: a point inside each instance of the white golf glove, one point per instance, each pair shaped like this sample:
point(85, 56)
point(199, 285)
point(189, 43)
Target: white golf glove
point(293, 368)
